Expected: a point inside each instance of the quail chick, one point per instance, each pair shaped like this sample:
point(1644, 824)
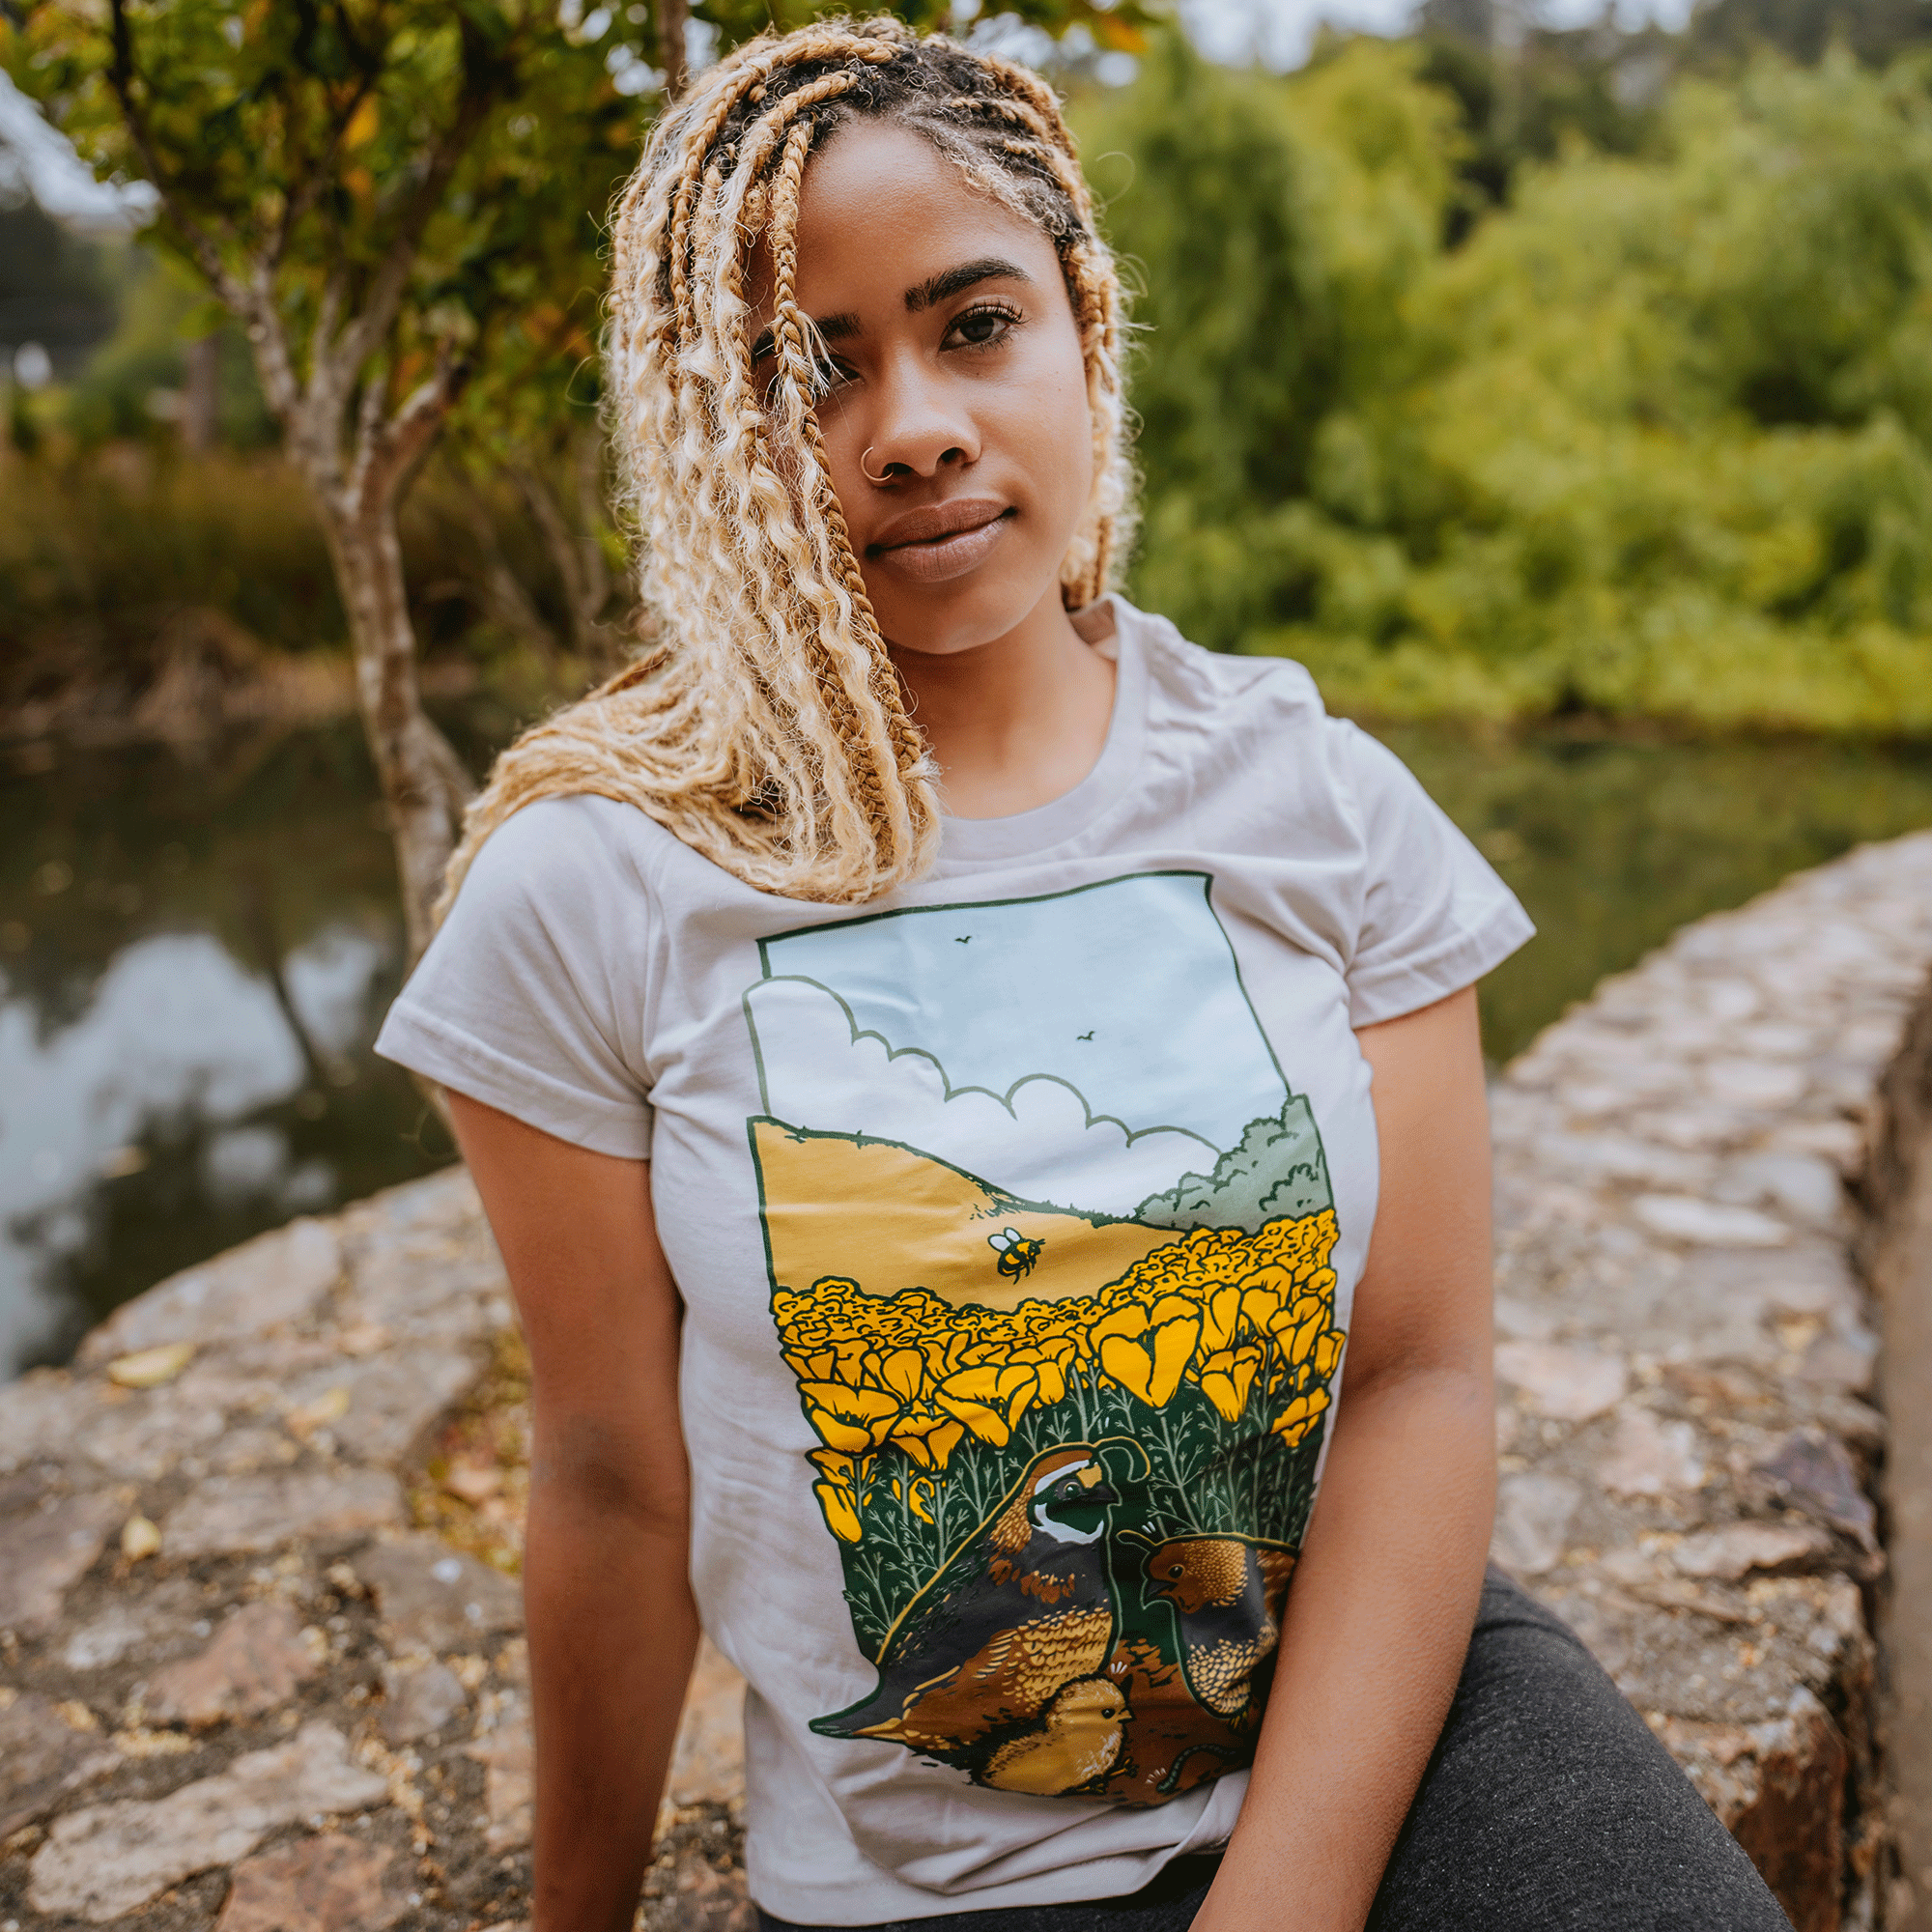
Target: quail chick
point(1078, 1740)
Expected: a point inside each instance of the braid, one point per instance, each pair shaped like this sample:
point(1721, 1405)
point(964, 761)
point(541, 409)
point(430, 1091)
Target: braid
point(764, 724)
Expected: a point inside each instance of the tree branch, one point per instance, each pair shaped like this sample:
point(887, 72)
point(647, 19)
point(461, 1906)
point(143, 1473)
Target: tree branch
point(388, 453)
point(122, 74)
point(361, 338)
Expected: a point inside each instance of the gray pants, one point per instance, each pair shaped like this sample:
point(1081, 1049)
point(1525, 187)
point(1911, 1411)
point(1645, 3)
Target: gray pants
point(1548, 1806)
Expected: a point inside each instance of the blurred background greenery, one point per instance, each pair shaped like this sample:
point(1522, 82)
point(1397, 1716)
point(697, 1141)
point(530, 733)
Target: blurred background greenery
point(1562, 398)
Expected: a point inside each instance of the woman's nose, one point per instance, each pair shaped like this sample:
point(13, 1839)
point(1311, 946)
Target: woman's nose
point(920, 428)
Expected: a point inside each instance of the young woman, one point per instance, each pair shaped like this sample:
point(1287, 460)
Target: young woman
point(952, 1066)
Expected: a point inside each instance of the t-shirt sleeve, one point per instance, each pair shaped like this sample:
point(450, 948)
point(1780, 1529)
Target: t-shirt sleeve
point(1434, 915)
point(532, 996)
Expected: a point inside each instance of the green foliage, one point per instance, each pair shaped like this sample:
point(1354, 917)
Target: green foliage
point(472, 149)
point(102, 550)
point(1656, 439)
point(161, 310)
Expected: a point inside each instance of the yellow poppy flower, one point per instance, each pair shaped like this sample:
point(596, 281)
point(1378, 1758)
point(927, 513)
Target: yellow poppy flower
point(841, 1516)
point(932, 1448)
point(1221, 1319)
point(903, 1372)
point(1295, 1422)
point(852, 1419)
point(1146, 1349)
point(989, 1399)
point(1051, 1372)
point(1227, 1378)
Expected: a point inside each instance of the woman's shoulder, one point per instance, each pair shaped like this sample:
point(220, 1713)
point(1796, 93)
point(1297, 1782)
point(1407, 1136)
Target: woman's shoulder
point(1195, 679)
point(553, 850)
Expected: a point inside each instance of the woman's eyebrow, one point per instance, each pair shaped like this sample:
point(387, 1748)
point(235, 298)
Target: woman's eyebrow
point(986, 270)
point(927, 295)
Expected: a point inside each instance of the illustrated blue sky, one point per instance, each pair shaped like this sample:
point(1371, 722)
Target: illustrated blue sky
point(999, 992)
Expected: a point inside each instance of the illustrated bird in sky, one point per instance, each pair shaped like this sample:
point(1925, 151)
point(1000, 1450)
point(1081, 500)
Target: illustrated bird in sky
point(1083, 1036)
point(1019, 1612)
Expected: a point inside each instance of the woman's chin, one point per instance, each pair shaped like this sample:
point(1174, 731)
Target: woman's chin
point(963, 614)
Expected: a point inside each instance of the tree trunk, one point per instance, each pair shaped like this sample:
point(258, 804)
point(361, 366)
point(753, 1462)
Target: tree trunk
point(424, 784)
point(201, 394)
point(672, 15)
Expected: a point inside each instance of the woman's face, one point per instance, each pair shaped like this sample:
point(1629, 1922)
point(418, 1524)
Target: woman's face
point(957, 378)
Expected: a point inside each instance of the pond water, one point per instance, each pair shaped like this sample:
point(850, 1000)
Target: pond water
point(196, 948)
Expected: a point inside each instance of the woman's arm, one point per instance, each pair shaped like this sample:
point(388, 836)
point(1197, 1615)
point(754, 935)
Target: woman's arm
point(607, 1589)
point(1386, 1593)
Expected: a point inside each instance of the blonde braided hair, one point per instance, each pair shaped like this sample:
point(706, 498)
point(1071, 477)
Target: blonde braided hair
point(764, 727)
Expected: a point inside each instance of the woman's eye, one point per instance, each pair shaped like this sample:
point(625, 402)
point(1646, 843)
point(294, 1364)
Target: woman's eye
point(981, 327)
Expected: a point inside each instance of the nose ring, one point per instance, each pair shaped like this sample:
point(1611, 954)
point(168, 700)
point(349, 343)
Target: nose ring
point(879, 482)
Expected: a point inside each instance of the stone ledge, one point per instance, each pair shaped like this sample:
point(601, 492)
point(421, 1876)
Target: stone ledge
point(240, 1578)
point(1689, 1166)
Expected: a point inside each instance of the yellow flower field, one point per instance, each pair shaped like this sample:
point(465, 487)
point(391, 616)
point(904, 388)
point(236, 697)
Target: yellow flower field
point(1228, 1312)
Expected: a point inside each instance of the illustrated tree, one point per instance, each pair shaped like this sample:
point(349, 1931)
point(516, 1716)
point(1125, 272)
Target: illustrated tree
point(401, 203)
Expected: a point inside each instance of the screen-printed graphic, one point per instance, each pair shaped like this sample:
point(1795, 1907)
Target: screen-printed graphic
point(1049, 1239)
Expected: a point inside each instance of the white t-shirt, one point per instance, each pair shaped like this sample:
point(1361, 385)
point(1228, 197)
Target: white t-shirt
point(1017, 1218)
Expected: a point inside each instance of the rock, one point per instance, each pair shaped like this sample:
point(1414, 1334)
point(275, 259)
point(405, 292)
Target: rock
point(508, 1757)
point(144, 1436)
point(1809, 1278)
point(330, 1883)
point(1682, 1217)
point(275, 1279)
point(1754, 1084)
point(231, 1515)
point(258, 1659)
point(1781, 1790)
point(1522, 1322)
point(158, 1621)
point(243, 1449)
point(419, 1697)
point(42, 1758)
point(1649, 1458)
point(388, 1400)
point(435, 1598)
point(708, 1764)
point(1810, 1472)
point(1801, 1185)
point(1741, 1547)
point(102, 1862)
point(1570, 1384)
point(1622, 1157)
point(1533, 1516)
point(1845, 1360)
point(705, 1900)
point(38, 1415)
point(43, 1554)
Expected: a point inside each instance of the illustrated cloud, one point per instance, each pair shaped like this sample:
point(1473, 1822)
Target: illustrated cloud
point(1039, 1142)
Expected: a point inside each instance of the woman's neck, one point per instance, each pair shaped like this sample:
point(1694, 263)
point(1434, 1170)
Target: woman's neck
point(1016, 722)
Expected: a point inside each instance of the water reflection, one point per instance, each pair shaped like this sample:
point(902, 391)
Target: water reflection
point(196, 955)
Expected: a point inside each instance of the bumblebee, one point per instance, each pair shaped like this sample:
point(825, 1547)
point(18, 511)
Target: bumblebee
point(1018, 1252)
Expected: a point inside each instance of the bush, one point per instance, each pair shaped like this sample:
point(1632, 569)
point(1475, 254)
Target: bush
point(1656, 439)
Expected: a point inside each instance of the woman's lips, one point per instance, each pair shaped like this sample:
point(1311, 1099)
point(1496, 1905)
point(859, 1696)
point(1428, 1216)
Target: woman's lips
point(947, 552)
